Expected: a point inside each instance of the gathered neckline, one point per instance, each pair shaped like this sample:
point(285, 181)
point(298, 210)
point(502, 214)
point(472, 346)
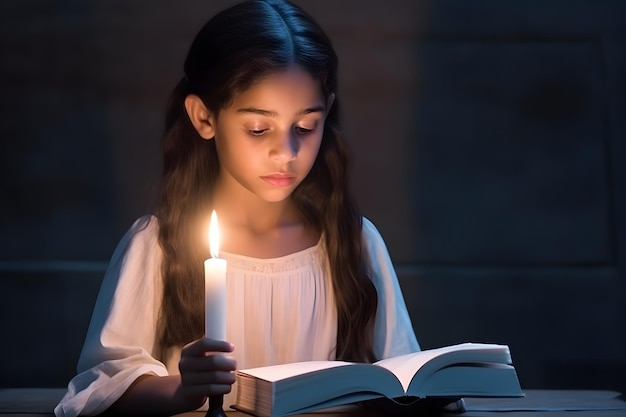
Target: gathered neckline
point(305, 251)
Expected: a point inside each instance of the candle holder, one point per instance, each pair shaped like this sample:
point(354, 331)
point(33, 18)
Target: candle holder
point(216, 404)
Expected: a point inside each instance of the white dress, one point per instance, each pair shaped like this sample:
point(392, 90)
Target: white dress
point(278, 310)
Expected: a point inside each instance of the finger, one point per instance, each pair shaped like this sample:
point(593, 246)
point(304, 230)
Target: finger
point(208, 389)
point(201, 346)
point(216, 362)
point(208, 378)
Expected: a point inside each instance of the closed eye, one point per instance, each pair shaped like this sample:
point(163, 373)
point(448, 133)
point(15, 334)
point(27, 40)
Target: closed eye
point(257, 132)
point(303, 130)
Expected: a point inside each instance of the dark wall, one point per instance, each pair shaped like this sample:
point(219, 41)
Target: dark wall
point(488, 140)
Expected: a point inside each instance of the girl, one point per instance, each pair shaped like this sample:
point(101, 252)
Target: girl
point(252, 133)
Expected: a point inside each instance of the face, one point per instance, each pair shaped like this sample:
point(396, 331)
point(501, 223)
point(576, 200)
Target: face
point(268, 138)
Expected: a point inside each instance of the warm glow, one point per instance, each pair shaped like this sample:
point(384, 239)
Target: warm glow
point(214, 236)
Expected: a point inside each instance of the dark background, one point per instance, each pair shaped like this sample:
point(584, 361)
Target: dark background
point(489, 145)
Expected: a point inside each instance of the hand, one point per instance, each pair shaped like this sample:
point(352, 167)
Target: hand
point(205, 370)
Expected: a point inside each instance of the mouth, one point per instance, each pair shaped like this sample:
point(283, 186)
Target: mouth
point(279, 179)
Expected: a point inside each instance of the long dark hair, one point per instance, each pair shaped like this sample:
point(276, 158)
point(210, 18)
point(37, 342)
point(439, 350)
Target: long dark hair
point(233, 50)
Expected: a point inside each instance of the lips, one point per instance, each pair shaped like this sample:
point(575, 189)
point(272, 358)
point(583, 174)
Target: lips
point(279, 179)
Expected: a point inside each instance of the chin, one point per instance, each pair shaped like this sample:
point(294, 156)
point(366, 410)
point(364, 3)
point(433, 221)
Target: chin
point(277, 196)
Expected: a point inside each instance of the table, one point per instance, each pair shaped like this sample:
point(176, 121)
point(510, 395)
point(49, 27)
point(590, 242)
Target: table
point(39, 402)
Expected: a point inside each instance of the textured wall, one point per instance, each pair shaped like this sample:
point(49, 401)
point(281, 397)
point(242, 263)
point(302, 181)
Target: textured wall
point(486, 138)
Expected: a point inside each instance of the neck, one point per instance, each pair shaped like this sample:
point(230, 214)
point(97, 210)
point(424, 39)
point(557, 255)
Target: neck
point(241, 208)
point(258, 228)
point(259, 218)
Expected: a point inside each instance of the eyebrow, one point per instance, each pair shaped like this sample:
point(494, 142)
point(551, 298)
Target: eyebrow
point(271, 113)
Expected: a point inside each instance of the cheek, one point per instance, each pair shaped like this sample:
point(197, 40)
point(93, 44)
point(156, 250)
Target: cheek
point(314, 147)
point(229, 156)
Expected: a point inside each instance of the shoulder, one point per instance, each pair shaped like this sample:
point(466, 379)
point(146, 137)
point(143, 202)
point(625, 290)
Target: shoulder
point(141, 240)
point(375, 251)
point(368, 227)
point(145, 226)
point(371, 236)
point(134, 267)
point(145, 230)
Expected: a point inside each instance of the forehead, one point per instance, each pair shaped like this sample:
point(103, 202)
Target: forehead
point(292, 86)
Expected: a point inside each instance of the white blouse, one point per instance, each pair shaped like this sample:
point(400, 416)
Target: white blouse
point(279, 310)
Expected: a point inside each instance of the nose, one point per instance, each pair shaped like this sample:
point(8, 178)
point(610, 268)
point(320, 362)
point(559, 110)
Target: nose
point(285, 148)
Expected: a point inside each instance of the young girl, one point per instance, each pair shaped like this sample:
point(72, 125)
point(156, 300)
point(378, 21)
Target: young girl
point(252, 133)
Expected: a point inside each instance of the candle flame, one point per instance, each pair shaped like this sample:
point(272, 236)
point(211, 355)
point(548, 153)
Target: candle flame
point(214, 236)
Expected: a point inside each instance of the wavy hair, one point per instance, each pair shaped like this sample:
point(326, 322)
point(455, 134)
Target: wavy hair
point(236, 48)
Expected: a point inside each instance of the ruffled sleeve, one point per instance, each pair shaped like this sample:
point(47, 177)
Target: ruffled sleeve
point(393, 330)
point(121, 341)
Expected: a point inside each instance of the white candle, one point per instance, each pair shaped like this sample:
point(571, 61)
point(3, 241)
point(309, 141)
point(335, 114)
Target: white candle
point(215, 287)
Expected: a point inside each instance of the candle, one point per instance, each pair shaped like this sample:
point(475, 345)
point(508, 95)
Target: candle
point(215, 287)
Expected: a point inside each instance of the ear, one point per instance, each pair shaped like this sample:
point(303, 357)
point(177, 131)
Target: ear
point(201, 118)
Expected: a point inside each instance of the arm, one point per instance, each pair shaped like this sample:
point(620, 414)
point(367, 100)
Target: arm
point(121, 339)
point(393, 330)
point(121, 354)
point(155, 395)
point(203, 373)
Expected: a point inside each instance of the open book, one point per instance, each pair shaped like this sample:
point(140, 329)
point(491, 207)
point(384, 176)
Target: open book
point(464, 370)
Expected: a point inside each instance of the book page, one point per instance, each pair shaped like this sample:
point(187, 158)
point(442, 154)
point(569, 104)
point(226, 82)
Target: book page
point(278, 372)
point(406, 366)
